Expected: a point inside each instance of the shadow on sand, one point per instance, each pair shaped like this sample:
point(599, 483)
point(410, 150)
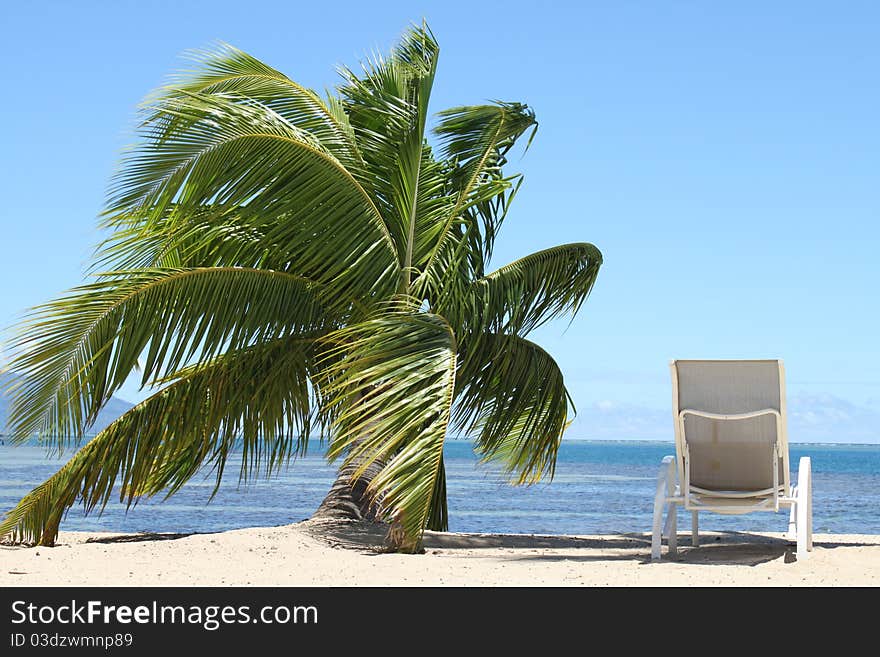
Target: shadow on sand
point(137, 538)
point(716, 548)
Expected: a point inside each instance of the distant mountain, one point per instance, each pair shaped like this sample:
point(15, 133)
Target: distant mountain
point(114, 408)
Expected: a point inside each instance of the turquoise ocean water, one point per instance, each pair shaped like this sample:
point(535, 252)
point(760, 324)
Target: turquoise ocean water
point(599, 487)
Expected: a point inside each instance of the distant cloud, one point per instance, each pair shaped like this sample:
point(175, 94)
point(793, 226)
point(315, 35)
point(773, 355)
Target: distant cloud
point(826, 418)
point(811, 418)
point(615, 420)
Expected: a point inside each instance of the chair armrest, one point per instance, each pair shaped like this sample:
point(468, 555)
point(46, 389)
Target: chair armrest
point(725, 416)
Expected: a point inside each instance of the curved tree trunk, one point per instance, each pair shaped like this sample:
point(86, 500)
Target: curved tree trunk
point(348, 499)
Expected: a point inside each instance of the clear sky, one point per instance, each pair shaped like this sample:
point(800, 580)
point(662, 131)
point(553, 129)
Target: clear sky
point(725, 160)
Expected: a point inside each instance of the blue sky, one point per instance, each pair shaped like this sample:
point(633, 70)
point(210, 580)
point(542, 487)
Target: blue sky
point(725, 160)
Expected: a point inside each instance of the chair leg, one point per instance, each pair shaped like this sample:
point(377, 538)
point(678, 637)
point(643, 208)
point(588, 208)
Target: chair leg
point(804, 508)
point(671, 510)
point(672, 528)
point(659, 502)
point(809, 469)
point(695, 528)
point(655, 530)
point(810, 518)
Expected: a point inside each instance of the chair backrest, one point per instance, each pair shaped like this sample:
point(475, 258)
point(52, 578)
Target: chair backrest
point(727, 455)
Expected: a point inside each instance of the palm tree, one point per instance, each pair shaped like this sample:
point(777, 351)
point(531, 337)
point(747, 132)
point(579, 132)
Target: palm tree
point(285, 267)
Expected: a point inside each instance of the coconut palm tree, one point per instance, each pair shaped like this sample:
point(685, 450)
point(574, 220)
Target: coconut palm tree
point(283, 267)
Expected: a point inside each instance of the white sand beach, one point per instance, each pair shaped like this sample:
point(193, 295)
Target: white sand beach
point(332, 554)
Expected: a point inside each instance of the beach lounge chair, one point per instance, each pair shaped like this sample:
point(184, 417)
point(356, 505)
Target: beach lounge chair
point(731, 449)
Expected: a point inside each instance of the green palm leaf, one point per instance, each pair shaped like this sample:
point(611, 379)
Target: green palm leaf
point(533, 290)
point(258, 399)
point(228, 71)
point(205, 237)
point(74, 353)
point(457, 246)
point(248, 159)
point(394, 380)
point(513, 398)
point(476, 140)
point(387, 107)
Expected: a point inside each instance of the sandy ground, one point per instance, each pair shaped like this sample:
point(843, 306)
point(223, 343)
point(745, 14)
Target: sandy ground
point(333, 554)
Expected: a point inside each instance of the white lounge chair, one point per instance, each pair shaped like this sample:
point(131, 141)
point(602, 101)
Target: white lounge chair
point(731, 449)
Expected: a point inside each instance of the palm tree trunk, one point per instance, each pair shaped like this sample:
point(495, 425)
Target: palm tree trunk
point(348, 498)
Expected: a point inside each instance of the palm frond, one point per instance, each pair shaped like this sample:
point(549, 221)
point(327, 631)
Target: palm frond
point(74, 353)
point(394, 381)
point(433, 204)
point(454, 266)
point(258, 398)
point(201, 237)
point(438, 515)
point(246, 158)
point(387, 106)
point(524, 294)
point(216, 237)
point(512, 397)
point(227, 71)
point(475, 141)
